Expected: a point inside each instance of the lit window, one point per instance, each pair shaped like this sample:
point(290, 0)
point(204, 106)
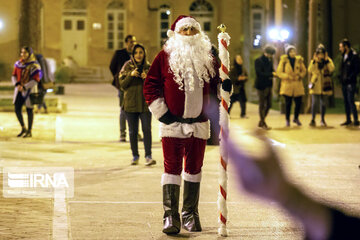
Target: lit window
point(164, 19)
point(257, 23)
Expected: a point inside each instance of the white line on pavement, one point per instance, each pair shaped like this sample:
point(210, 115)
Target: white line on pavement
point(60, 219)
point(130, 202)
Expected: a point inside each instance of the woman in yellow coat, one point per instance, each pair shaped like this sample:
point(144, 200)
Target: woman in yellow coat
point(291, 70)
point(320, 86)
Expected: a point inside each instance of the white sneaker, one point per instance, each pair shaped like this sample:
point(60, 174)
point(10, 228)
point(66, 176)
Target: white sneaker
point(149, 161)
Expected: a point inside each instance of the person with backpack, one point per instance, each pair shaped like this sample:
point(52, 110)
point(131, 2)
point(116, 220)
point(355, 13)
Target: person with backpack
point(46, 82)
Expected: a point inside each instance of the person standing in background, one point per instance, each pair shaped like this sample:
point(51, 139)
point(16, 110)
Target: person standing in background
point(291, 70)
point(264, 82)
point(320, 86)
point(117, 62)
point(131, 79)
point(349, 70)
point(238, 76)
point(26, 75)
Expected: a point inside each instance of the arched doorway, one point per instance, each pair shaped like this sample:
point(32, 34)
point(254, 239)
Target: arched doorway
point(203, 11)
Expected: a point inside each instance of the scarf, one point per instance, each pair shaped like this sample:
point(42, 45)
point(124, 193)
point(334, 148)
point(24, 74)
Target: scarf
point(292, 62)
point(29, 68)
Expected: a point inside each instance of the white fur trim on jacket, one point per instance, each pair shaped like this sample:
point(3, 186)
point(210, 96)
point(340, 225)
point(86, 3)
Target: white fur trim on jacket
point(167, 178)
point(192, 177)
point(158, 108)
point(183, 130)
point(188, 21)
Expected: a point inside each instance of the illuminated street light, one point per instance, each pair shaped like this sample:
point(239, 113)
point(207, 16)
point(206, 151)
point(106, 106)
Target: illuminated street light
point(284, 34)
point(279, 34)
point(168, 12)
point(1, 25)
point(274, 34)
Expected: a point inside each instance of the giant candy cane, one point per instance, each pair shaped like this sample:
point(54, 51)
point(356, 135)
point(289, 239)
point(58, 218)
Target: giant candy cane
point(224, 41)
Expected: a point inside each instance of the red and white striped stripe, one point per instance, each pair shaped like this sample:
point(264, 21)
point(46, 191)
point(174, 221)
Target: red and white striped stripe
point(224, 41)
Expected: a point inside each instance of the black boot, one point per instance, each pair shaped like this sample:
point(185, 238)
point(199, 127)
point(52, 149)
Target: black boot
point(190, 213)
point(28, 134)
point(23, 131)
point(171, 193)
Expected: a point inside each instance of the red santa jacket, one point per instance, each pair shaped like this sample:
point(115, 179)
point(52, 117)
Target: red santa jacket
point(162, 94)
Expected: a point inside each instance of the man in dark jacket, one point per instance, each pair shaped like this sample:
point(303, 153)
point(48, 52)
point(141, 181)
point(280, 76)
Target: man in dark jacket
point(349, 70)
point(264, 82)
point(117, 62)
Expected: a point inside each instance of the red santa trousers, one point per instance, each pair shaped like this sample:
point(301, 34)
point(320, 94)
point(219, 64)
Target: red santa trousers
point(175, 149)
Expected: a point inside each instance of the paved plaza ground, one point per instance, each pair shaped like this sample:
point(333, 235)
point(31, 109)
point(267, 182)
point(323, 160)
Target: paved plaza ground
point(114, 200)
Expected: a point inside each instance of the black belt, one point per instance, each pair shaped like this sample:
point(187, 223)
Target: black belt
point(189, 120)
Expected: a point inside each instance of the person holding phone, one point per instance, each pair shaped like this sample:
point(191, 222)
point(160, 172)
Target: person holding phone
point(320, 86)
point(131, 80)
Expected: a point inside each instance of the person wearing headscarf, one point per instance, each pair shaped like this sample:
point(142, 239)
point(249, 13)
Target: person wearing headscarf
point(320, 87)
point(238, 76)
point(291, 70)
point(131, 78)
point(26, 75)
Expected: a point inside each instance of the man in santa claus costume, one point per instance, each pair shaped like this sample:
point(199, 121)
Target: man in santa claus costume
point(177, 90)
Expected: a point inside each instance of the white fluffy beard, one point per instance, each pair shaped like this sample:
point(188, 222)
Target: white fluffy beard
point(189, 53)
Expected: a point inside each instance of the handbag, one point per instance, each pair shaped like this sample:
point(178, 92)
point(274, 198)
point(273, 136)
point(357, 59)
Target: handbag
point(36, 97)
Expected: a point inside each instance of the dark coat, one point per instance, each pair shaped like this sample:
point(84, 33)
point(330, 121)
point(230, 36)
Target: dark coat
point(264, 73)
point(117, 62)
point(235, 72)
point(134, 100)
point(349, 68)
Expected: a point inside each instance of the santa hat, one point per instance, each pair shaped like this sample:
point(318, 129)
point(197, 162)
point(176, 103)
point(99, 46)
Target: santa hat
point(183, 21)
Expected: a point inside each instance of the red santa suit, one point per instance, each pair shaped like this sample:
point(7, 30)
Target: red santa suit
point(180, 103)
point(180, 139)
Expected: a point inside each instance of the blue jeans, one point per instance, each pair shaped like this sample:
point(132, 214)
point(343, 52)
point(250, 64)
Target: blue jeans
point(349, 101)
point(133, 122)
point(316, 99)
point(122, 119)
